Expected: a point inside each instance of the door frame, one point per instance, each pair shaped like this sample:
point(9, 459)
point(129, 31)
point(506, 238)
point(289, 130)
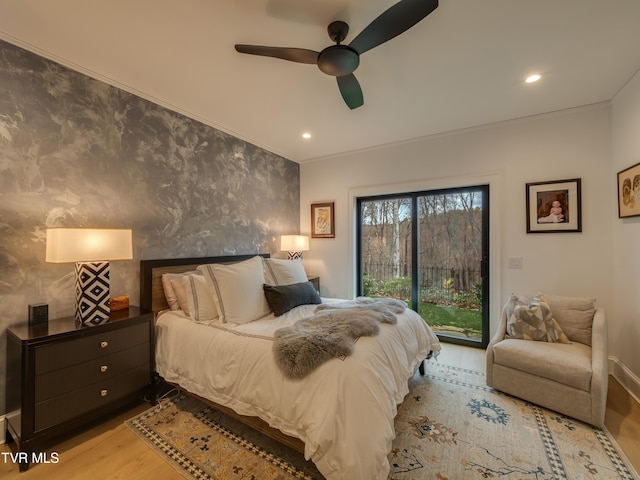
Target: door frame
point(484, 263)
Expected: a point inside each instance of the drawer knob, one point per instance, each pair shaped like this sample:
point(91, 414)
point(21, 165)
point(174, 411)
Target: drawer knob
point(103, 393)
point(104, 344)
point(104, 368)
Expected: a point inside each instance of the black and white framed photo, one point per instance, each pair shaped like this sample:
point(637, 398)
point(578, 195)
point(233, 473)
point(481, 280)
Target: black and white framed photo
point(554, 206)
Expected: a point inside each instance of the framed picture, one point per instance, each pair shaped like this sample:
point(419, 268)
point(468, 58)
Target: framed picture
point(629, 192)
point(554, 206)
point(322, 221)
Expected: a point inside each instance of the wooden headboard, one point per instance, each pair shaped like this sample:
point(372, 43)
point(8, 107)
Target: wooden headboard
point(151, 291)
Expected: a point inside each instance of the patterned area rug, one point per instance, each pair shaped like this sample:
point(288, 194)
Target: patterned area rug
point(450, 426)
point(205, 444)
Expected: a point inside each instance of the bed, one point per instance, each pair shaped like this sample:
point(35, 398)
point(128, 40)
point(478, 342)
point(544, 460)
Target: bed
point(340, 413)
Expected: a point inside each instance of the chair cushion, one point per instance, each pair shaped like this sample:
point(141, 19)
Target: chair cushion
point(566, 363)
point(575, 316)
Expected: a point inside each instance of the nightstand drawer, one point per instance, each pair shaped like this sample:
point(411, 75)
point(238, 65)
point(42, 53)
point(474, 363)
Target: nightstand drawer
point(91, 346)
point(65, 407)
point(75, 377)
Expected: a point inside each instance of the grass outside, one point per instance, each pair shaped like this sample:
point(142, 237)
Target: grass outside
point(447, 311)
point(452, 320)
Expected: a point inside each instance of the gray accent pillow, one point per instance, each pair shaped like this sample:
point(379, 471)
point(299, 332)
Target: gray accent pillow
point(282, 298)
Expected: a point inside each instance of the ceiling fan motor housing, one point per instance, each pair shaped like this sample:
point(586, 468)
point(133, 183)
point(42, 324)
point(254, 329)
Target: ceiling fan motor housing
point(338, 60)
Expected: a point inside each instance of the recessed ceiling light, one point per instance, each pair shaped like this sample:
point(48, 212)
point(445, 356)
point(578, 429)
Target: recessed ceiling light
point(306, 135)
point(532, 78)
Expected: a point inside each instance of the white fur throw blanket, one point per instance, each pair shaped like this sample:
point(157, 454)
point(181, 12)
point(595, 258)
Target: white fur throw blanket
point(331, 333)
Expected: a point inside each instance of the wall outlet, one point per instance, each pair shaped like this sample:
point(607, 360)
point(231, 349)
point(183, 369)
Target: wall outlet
point(514, 262)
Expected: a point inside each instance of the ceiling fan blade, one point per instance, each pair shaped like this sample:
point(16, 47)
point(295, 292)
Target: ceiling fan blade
point(391, 23)
point(300, 55)
point(350, 90)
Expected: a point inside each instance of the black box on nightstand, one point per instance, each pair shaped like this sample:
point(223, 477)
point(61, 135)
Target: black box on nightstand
point(38, 314)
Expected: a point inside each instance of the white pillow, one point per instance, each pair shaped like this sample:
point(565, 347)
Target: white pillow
point(172, 295)
point(181, 294)
point(202, 306)
point(237, 289)
point(283, 272)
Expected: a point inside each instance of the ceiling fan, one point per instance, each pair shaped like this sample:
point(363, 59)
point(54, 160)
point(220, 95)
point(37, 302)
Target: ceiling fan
point(340, 60)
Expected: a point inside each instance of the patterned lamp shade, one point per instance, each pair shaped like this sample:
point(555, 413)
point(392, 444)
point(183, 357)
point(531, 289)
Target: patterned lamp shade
point(295, 245)
point(90, 249)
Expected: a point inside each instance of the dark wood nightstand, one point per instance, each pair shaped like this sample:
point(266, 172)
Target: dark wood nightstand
point(62, 376)
point(316, 282)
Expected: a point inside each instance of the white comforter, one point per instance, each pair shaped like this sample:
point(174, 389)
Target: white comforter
point(343, 411)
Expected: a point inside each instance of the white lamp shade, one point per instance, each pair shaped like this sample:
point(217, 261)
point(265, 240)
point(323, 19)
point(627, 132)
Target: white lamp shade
point(294, 243)
point(66, 245)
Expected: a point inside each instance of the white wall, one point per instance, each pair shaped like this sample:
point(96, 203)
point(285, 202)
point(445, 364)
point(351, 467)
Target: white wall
point(624, 339)
point(570, 144)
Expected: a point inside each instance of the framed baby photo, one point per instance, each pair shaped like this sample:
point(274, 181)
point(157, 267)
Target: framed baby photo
point(629, 192)
point(322, 220)
point(554, 206)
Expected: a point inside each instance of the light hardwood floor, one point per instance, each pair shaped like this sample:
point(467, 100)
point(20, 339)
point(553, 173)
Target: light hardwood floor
point(111, 451)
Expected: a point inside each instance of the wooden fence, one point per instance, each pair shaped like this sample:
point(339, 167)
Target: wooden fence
point(437, 283)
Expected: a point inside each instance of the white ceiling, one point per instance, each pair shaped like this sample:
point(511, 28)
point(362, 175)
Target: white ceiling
point(462, 66)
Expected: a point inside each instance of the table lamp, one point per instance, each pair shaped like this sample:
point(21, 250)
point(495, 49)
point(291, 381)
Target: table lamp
point(295, 245)
point(90, 249)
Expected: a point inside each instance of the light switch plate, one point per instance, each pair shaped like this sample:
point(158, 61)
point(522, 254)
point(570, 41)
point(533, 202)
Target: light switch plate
point(514, 262)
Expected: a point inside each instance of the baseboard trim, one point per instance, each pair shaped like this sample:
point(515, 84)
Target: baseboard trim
point(629, 380)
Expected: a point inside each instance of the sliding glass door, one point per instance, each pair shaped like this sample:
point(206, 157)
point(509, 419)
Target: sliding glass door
point(430, 249)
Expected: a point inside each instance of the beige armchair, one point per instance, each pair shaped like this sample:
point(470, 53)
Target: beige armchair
point(569, 378)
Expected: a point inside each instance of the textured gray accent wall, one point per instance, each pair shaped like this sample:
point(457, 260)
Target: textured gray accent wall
point(76, 152)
